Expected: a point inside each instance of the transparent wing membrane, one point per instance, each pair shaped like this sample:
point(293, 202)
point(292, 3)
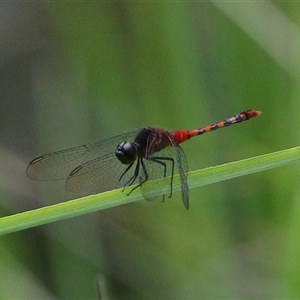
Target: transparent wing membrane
point(60, 164)
point(164, 163)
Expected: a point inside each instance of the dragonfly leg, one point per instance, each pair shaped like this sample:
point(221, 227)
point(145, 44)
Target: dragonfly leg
point(136, 173)
point(132, 178)
point(126, 170)
point(160, 160)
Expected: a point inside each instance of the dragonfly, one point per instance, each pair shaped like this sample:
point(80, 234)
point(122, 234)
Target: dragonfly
point(133, 158)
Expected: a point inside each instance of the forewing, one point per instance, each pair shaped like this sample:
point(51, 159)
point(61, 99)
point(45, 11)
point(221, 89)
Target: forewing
point(60, 164)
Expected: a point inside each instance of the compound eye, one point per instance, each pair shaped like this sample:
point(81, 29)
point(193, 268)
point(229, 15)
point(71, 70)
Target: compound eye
point(126, 152)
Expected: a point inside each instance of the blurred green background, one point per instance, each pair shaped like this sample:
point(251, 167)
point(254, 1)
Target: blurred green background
point(74, 72)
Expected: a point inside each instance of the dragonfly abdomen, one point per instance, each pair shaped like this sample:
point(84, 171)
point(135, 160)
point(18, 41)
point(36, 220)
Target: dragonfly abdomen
point(243, 116)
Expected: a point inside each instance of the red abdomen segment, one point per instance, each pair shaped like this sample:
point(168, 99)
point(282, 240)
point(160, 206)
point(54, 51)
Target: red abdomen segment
point(181, 136)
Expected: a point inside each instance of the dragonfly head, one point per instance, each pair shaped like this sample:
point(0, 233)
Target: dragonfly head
point(127, 152)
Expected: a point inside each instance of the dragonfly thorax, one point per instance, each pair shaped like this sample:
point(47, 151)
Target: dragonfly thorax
point(127, 152)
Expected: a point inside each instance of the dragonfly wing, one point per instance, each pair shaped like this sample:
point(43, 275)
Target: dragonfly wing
point(164, 162)
point(100, 175)
point(59, 165)
point(182, 170)
point(56, 165)
point(158, 166)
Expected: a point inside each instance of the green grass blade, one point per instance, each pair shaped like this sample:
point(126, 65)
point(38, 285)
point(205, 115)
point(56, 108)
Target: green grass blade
point(94, 203)
point(243, 167)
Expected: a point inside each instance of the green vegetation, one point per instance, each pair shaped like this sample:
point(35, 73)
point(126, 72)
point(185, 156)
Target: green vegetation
point(104, 67)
